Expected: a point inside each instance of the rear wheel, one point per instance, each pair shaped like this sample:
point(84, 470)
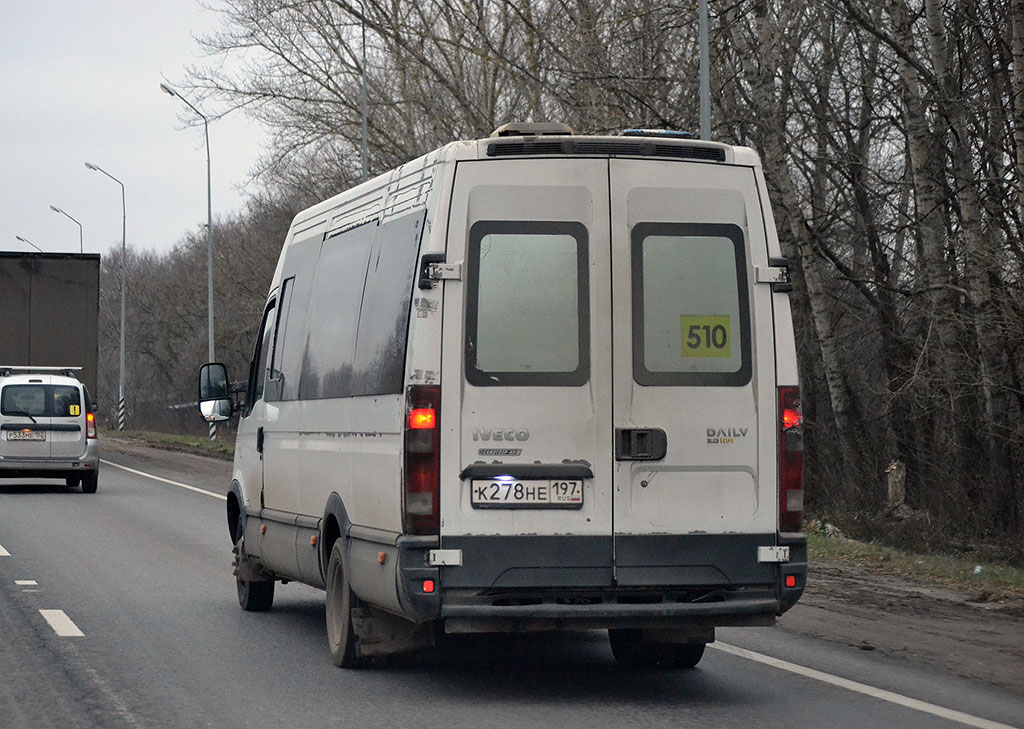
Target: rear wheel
point(255, 597)
point(632, 651)
point(90, 481)
point(341, 638)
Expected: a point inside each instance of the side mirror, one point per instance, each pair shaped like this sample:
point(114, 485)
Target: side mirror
point(214, 392)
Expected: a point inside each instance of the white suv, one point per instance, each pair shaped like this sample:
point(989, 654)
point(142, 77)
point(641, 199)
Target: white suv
point(47, 426)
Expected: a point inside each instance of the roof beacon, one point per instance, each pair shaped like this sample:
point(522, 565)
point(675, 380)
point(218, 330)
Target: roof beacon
point(670, 133)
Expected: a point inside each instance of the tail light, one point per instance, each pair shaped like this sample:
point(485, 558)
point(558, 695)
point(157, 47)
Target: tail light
point(90, 425)
point(791, 460)
point(422, 459)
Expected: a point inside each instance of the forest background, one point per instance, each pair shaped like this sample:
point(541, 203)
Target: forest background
point(892, 135)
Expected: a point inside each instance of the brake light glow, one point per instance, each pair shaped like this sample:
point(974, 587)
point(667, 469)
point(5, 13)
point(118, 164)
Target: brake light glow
point(422, 459)
point(422, 418)
point(791, 460)
point(90, 425)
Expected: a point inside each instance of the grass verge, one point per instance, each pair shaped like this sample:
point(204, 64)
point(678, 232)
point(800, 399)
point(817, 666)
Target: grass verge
point(983, 582)
point(223, 447)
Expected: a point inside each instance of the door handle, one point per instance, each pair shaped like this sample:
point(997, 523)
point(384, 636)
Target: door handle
point(259, 439)
point(640, 444)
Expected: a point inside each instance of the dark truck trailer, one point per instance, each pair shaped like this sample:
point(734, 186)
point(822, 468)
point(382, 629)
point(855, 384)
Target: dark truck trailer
point(49, 311)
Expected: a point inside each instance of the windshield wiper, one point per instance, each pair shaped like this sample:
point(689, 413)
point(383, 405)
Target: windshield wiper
point(20, 412)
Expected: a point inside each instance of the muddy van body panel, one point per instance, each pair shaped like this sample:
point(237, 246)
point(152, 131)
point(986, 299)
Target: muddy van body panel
point(600, 320)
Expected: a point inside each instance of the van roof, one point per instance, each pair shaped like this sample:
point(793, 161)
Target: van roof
point(632, 143)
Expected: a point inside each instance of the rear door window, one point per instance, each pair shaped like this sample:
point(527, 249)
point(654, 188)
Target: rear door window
point(527, 313)
point(691, 316)
point(41, 401)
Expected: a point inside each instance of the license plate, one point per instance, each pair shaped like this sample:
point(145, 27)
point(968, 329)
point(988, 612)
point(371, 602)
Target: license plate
point(533, 494)
point(26, 435)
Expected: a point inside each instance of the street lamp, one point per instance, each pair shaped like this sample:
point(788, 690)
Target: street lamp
point(81, 248)
point(26, 240)
point(120, 375)
point(362, 83)
point(209, 234)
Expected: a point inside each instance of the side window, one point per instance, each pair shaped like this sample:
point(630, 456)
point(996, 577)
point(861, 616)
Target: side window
point(258, 367)
point(333, 318)
point(275, 376)
point(384, 311)
point(290, 339)
point(691, 317)
point(527, 311)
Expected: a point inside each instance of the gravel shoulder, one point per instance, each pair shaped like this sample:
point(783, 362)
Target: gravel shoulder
point(843, 604)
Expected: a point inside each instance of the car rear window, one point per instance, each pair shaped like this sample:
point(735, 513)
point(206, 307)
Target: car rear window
point(527, 314)
point(691, 318)
point(41, 401)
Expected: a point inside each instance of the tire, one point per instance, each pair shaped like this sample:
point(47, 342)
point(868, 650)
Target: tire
point(253, 597)
point(632, 651)
point(341, 638)
point(89, 482)
point(73, 481)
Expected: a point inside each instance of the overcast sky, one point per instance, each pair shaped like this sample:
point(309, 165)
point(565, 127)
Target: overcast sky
point(80, 82)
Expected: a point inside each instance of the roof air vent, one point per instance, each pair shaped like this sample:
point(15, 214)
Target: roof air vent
point(532, 129)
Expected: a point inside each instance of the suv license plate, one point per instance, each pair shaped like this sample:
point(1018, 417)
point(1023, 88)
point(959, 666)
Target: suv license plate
point(512, 494)
point(26, 435)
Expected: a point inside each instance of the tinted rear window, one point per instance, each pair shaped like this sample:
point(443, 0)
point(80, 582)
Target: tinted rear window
point(691, 318)
point(527, 316)
point(41, 401)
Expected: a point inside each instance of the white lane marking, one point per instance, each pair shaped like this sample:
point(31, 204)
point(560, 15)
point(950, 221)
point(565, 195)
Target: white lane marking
point(179, 484)
point(862, 688)
point(4, 552)
point(25, 583)
point(62, 625)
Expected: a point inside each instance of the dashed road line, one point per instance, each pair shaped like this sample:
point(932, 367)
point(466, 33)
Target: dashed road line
point(62, 625)
point(862, 688)
point(25, 583)
point(179, 484)
point(4, 552)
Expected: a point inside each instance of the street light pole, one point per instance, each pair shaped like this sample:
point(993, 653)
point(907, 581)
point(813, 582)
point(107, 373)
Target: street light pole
point(81, 245)
point(120, 375)
point(26, 240)
point(209, 234)
point(705, 72)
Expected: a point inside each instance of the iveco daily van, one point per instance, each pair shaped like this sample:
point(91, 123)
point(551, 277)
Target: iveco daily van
point(537, 381)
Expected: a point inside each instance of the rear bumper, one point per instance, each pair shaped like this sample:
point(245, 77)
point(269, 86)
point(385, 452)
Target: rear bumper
point(642, 581)
point(11, 467)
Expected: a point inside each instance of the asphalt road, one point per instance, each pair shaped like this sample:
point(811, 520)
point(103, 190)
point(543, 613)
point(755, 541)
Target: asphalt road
point(142, 570)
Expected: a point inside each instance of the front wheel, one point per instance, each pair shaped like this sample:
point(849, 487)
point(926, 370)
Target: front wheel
point(254, 597)
point(632, 651)
point(341, 638)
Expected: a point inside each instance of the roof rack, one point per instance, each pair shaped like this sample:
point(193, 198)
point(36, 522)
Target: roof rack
point(7, 370)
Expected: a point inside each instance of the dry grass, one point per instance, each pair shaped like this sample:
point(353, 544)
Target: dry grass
point(221, 448)
point(984, 582)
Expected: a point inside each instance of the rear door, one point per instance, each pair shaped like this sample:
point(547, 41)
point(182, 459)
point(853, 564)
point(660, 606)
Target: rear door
point(24, 423)
point(694, 387)
point(67, 421)
point(526, 376)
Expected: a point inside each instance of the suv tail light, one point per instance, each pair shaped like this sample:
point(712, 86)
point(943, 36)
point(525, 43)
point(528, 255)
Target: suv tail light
point(791, 460)
point(422, 459)
point(90, 425)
